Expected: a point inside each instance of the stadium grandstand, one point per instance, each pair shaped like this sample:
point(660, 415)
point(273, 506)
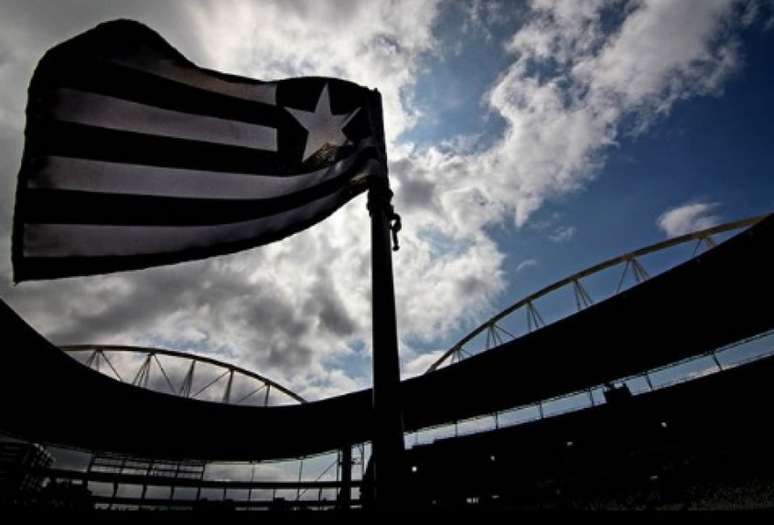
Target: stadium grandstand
point(700, 441)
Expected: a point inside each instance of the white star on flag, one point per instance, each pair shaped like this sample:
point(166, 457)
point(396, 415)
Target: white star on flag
point(322, 126)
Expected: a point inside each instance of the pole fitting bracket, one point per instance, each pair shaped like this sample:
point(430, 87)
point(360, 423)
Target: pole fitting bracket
point(380, 201)
point(395, 227)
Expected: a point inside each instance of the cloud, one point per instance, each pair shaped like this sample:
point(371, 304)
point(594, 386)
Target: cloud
point(563, 234)
point(525, 264)
point(373, 43)
point(418, 364)
point(688, 218)
point(759, 10)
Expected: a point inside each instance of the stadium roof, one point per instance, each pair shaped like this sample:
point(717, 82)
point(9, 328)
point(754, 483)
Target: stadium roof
point(703, 304)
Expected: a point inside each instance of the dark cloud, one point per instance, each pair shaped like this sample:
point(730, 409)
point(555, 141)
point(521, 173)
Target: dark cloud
point(416, 193)
point(271, 326)
point(39, 24)
point(471, 286)
point(325, 304)
point(416, 190)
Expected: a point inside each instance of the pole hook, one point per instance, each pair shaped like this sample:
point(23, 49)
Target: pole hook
point(395, 227)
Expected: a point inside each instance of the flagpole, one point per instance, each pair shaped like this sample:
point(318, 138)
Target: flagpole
point(387, 444)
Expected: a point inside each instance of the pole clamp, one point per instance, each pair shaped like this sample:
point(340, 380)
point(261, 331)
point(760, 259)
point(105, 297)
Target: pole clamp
point(395, 227)
point(379, 198)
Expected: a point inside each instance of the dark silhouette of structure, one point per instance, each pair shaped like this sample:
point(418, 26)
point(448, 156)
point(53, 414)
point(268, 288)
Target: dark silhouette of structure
point(21, 477)
point(704, 443)
point(644, 450)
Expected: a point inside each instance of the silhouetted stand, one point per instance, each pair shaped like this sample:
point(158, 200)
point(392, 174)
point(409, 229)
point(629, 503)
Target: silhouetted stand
point(387, 444)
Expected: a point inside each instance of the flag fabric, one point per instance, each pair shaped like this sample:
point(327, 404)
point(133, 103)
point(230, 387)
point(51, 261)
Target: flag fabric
point(136, 157)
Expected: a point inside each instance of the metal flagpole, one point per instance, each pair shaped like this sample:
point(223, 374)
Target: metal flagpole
point(387, 444)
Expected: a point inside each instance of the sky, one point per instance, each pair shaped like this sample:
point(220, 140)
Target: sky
point(527, 140)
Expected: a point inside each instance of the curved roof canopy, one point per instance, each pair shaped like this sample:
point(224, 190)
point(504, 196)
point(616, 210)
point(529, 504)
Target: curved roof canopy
point(705, 303)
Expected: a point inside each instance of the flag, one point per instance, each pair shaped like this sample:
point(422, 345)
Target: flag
point(136, 157)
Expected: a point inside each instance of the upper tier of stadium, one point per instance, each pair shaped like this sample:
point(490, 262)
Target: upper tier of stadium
point(710, 301)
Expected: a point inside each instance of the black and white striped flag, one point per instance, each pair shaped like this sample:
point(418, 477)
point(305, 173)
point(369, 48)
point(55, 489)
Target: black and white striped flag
point(135, 157)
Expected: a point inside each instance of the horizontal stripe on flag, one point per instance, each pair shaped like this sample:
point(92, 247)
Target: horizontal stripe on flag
point(106, 78)
point(77, 240)
point(81, 207)
point(136, 46)
point(114, 113)
point(63, 173)
point(201, 79)
point(69, 139)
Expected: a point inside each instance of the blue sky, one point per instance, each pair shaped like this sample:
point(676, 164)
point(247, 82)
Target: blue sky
point(527, 141)
point(452, 86)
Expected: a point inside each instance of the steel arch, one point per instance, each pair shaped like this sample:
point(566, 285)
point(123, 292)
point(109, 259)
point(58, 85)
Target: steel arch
point(99, 350)
point(494, 332)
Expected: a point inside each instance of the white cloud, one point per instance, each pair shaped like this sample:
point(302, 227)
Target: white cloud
point(525, 264)
point(418, 364)
point(563, 233)
point(664, 51)
point(688, 218)
point(373, 43)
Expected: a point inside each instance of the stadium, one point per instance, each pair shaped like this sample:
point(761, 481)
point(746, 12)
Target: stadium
point(653, 395)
